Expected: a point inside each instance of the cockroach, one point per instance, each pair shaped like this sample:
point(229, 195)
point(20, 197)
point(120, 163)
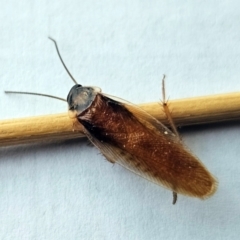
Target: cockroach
point(127, 135)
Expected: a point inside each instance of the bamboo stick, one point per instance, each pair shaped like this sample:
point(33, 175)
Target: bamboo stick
point(191, 111)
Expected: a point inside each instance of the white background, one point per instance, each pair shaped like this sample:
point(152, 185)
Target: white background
point(68, 190)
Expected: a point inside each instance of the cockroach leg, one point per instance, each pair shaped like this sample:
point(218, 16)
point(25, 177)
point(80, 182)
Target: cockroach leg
point(174, 198)
point(167, 111)
point(171, 122)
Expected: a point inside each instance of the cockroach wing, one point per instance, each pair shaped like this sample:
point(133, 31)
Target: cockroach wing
point(135, 140)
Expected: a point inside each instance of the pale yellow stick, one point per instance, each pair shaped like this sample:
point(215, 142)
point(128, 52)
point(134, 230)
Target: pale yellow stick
point(191, 111)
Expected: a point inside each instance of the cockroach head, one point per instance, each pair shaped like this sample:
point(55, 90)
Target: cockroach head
point(80, 98)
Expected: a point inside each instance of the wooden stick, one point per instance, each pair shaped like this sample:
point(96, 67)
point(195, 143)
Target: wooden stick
point(191, 111)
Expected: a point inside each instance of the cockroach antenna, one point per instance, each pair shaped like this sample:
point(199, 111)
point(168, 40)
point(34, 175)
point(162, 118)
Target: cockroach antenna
point(64, 65)
point(47, 95)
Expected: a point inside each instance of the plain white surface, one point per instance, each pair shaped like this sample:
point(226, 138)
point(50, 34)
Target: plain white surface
point(68, 190)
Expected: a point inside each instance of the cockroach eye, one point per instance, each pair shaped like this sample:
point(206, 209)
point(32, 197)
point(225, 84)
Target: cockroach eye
point(78, 86)
point(80, 98)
